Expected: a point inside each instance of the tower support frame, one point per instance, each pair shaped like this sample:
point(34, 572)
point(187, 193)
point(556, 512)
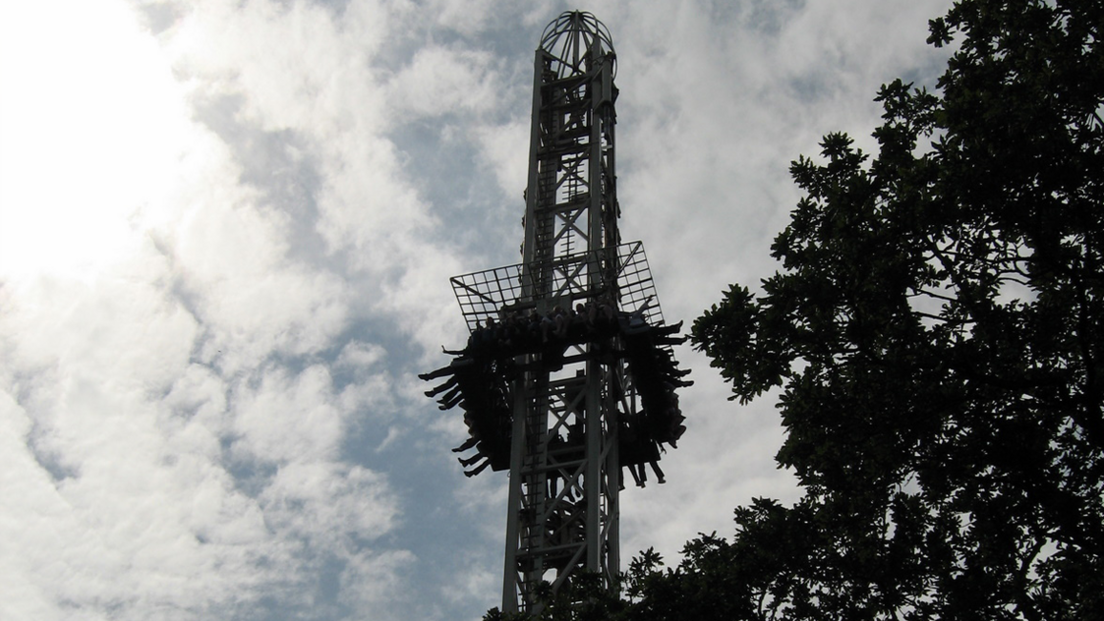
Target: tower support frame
point(568, 376)
point(563, 514)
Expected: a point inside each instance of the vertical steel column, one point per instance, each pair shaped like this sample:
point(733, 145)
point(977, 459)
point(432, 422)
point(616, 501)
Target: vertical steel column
point(564, 470)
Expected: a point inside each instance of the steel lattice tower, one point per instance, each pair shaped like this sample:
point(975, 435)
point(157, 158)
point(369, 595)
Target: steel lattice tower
point(571, 206)
point(568, 377)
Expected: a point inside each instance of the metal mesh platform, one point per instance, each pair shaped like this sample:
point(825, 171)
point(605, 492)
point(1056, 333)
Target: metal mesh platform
point(486, 293)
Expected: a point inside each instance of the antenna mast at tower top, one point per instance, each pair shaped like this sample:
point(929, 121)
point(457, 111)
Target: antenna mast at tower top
point(568, 377)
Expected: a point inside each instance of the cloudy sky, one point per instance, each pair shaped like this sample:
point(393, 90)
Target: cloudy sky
point(226, 229)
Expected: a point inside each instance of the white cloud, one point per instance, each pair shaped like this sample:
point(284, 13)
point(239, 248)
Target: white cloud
point(443, 81)
point(500, 146)
point(128, 321)
point(230, 260)
point(360, 357)
point(92, 129)
point(294, 68)
point(120, 533)
point(475, 18)
point(369, 579)
point(328, 504)
point(287, 418)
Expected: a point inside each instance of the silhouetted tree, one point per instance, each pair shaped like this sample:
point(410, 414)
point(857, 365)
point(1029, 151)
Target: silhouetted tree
point(937, 333)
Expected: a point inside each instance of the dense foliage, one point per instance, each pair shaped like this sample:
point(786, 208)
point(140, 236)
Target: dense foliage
point(937, 333)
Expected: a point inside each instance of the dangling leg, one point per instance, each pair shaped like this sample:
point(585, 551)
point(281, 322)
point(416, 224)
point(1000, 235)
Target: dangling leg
point(480, 468)
point(658, 472)
point(469, 443)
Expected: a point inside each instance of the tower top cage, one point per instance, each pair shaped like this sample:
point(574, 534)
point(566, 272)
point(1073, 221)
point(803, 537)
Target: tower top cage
point(573, 39)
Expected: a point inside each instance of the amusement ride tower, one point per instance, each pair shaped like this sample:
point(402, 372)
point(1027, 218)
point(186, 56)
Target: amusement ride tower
point(568, 378)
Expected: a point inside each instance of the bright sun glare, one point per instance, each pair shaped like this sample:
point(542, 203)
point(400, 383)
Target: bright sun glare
point(92, 125)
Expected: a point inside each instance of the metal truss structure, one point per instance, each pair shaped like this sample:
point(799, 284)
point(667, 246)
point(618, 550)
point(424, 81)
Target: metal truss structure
point(483, 295)
point(582, 389)
point(563, 498)
point(564, 458)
